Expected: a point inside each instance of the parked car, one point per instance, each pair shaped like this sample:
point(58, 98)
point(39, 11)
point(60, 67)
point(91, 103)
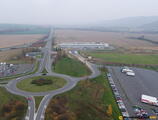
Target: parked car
point(29, 99)
point(116, 93)
point(130, 73)
point(140, 112)
point(112, 84)
point(155, 111)
point(109, 75)
point(125, 114)
point(118, 98)
point(44, 73)
point(123, 110)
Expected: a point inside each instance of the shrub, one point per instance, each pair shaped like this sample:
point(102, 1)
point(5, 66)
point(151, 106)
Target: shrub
point(41, 82)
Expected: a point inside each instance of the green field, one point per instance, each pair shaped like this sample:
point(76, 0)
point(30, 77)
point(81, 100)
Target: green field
point(44, 71)
point(27, 86)
point(71, 67)
point(6, 98)
point(126, 58)
point(38, 100)
point(89, 100)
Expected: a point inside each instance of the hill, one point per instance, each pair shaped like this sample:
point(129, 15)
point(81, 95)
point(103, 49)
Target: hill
point(130, 24)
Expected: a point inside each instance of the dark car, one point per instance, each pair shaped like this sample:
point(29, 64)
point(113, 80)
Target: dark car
point(155, 111)
point(44, 73)
point(118, 98)
point(123, 110)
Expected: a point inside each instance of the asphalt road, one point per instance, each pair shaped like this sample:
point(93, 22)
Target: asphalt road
point(131, 88)
point(46, 62)
point(71, 81)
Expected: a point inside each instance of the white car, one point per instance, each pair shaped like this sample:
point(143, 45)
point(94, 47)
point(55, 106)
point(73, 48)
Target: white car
point(130, 73)
point(125, 114)
point(125, 70)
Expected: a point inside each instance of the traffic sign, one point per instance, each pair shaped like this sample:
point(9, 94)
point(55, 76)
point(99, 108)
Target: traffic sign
point(120, 117)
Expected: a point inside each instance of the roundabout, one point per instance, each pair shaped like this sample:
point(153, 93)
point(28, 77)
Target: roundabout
point(34, 85)
point(41, 84)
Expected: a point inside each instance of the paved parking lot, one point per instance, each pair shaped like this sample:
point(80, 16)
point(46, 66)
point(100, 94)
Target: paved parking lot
point(8, 70)
point(131, 88)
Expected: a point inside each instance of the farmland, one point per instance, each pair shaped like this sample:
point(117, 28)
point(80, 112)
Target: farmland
point(7, 55)
point(14, 40)
point(117, 39)
point(15, 56)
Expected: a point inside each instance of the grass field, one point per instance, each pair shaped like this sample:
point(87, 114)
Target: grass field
point(38, 100)
point(6, 97)
point(71, 67)
point(87, 101)
point(13, 40)
point(127, 58)
point(44, 71)
point(27, 86)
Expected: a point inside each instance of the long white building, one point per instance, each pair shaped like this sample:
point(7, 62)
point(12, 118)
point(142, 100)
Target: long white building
point(84, 45)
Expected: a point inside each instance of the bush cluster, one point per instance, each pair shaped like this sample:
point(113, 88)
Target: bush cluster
point(14, 110)
point(42, 81)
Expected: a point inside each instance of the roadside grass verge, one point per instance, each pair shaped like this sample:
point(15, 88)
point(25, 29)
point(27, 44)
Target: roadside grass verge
point(127, 58)
point(44, 71)
point(71, 67)
point(38, 100)
point(155, 68)
point(26, 84)
point(12, 102)
point(89, 100)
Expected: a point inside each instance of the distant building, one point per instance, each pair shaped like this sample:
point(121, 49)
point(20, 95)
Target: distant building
point(84, 45)
point(33, 54)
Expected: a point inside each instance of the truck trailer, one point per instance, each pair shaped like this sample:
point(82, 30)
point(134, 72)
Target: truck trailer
point(149, 100)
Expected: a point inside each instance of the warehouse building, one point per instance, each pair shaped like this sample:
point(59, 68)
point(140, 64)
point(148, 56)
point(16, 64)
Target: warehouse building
point(92, 45)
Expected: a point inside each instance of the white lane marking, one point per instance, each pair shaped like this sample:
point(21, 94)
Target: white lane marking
point(40, 106)
point(26, 118)
point(35, 116)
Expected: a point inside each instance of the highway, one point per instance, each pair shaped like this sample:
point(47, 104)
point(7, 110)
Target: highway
point(46, 62)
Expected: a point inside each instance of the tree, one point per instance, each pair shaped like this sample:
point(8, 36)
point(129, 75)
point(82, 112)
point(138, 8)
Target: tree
point(109, 110)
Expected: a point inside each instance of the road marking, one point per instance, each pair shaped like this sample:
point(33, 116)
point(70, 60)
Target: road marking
point(40, 106)
point(35, 115)
point(45, 106)
point(26, 118)
point(42, 117)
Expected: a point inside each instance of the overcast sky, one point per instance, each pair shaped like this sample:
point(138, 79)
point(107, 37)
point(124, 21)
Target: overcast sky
point(73, 11)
